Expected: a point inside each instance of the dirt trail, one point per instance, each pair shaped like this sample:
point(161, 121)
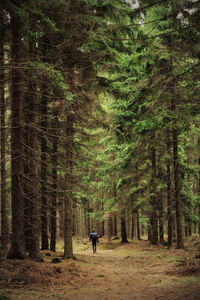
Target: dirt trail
point(136, 271)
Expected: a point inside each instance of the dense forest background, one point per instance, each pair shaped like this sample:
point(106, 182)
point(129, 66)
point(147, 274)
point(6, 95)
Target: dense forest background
point(99, 122)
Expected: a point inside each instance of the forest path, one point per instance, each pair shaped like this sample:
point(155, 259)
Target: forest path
point(134, 271)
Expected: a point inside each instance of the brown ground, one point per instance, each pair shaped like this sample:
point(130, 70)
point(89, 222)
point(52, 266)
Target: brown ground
point(135, 271)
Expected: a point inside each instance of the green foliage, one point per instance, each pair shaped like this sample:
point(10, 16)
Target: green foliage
point(48, 72)
point(144, 59)
point(138, 82)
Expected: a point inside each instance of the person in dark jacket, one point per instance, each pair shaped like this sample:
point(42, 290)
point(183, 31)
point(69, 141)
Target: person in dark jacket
point(94, 237)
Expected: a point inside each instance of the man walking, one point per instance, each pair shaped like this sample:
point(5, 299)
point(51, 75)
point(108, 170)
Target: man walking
point(94, 237)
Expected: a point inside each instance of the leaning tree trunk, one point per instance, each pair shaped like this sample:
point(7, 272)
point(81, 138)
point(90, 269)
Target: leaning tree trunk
point(17, 249)
point(4, 218)
point(68, 205)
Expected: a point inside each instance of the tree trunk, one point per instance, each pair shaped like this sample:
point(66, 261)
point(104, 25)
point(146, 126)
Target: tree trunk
point(31, 209)
point(26, 183)
point(109, 228)
point(199, 189)
point(161, 221)
point(4, 217)
point(123, 228)
point(134, 225)
point(154, 216)
point(17, 249)
point(138, 226)
point(44, 167)
point(87, 219)
point(33, 183)
point(176, 172)
point(101, 227)
point(177, 193)
point(55, 183)
point(169, 192)
point(115, 232)
point(68, 246)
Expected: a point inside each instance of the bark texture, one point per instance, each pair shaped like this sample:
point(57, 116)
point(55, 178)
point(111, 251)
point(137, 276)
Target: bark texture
point(68, 207)
point(17, 249)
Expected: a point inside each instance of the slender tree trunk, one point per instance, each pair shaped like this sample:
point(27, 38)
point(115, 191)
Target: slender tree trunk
point(87, 221)
point(44, 167)
point(68, 245)
point(17, 249)
point(199, 221)
point(150, 230)
point(134, 225)
point(115, 229)
point(169, 194)
point(176, 175)
point(123, 228)
point(138, 226)
point(109, 228)
point(154, 216)
point(34, 251)
point(55, 183)
point(97, 224)
point(161, 221)
point(177, 193)
point(31, 209)
point(199, 189)
point(4, 218)
point(26, 183)
point(189, 231)
point(101, 231)
point(115, 232)
point(27, 171)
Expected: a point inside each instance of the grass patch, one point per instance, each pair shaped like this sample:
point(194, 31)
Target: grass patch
point(160, 255)
point(78, 245)
point(175, 259)
point(190, 279)
point(165, 282)
point(107, 246)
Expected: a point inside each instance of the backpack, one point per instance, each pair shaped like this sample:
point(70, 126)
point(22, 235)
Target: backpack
point(94, 235)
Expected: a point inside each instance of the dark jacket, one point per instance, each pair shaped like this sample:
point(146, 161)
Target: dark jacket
point(94, 237)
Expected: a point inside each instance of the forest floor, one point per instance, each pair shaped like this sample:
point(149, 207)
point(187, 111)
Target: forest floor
point(134, 271)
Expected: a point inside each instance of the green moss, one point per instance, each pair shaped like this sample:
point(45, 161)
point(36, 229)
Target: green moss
point(190, 279)
point(175, 259)
point(165, 282)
